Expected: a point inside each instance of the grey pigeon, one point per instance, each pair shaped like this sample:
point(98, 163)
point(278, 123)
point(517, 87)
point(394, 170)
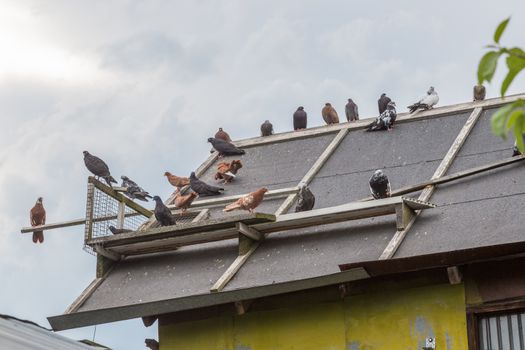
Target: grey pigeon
point(479, 93)
point(202, 188)
point(163, 213)
point(352, 113)
point(266, 128)
point(299, 118)
point(152, 344)
point(383, 102)
point(117, 231)
point(133, 190)
point(379, 185)
point(98, 167)
point(306, 200)
point(386, 120)
point(224, 148)
point(426, 102)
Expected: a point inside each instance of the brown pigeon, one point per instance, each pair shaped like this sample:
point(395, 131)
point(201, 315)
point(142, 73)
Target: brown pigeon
point(227, 171)
point(183, 202)
point(248, 202)
point(223, 135)
point(329, 114)
point(177, 181)
point(37, 216)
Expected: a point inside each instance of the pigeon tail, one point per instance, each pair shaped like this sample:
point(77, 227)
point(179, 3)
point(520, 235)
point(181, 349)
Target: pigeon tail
point(414, 107)
point(232, 207)
point(38, 237)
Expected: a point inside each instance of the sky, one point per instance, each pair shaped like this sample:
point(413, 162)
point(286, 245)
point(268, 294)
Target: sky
point(144, 84)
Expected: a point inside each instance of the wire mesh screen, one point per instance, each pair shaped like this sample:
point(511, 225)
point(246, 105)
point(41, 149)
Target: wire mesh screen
point(502, 332)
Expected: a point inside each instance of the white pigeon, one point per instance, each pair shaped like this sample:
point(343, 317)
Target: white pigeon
point(426, 102)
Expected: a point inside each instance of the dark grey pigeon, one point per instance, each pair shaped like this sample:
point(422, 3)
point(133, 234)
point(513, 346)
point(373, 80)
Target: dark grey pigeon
point(133, 190)
point(117, 231)
point(98, 167)
point(266, 128)
point(479, 93)
point(224, 148)
point(299, 119)
point(163, 213)
point(379, 185)
point(382, 103)
point(515, 149)
point(386, 120)
point(306, 200)
point(202, 188)
point(352, 113)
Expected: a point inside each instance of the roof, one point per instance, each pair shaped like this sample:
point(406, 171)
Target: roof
point(16, 334)
point(473, 213)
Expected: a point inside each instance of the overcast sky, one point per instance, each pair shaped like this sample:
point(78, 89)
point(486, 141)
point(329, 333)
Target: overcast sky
point(142, 84)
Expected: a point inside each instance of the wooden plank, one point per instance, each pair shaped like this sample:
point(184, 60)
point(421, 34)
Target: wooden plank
point(454, 275)
point(84, 296)
point(203, 215)
point(106, 253)
point(249, 232)
point(399, 236)
point(233, 268)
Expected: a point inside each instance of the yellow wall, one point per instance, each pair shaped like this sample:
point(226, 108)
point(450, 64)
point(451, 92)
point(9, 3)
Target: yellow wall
point(399, 319)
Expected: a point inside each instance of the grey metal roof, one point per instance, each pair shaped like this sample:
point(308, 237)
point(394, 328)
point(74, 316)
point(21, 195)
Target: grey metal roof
point(478, 211)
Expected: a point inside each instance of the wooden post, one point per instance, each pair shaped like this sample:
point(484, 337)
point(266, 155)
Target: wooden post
point(88, 228)
point(121, 214)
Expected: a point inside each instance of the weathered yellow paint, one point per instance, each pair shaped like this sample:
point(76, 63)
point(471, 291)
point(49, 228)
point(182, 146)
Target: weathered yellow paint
point(395, 319)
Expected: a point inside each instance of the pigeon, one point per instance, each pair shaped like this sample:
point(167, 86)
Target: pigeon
point(152, 344)
point(386, 120)
point(224, 148)
point(352, 114)
point(163, 213)
point(299, 119)
point(223, 135)
point(177, 181)
point(379, 185)
point(266, 128)
point(202, 188)
point(133, 190)
point(383, 102)
point(329, 114)
point(228, 171)
point(306, 200)
point(248, 202)
point(37, 217)
point(183, 202)
point(117, 231)
point(426, 102)
point(98, 167)
point(515, 149)
point(479, 93)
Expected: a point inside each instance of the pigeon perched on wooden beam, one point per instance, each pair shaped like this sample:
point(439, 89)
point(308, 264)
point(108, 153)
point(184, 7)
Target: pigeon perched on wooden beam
point(379, 185)
point(266, 128)
point(177, 181)
point(479, 92)
point(306, 199)
point(223, 135)
point(383, 102)
point(133, 190)
point(426, 102)
point(163, 213)
point(117, 231)
point(98, 167)
point(329, 114)
point(37, 217)
point(351, 111)
point(202, 188)
point(300, 119)
point(224, 148)
point(248, 202)
point(386, 120)
point(228, 171)
point(183, 202)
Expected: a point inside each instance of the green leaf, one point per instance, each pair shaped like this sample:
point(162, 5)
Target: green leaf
point(487, 66)
point(500, 30)
point(499, 119)
point(512, 119)
point(518, 131)
point(515, 63)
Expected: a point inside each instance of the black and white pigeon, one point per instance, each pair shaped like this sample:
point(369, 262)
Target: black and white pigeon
point(266, 128)
point(352, 113)
point(202, 188)
point(386, 120)
point(98, 167)
point(117, 231)
point(306, 199)
point(379, 185)
point(300, 118)
point(515, 149)
point(383, 102)
point(224, 148)
point(133, 190)
point(163, 213)
point(426, 102)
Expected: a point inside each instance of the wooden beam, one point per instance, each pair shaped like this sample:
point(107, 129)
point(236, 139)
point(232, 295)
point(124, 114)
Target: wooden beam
point(249, 232)
point(203, 215)
point(404, 215)
point(241, 306)
point(445, 164)
point(454, 275)
point(106, 253)
point(233, 268)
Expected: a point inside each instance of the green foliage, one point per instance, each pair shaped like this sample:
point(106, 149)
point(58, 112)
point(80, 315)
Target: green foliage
point(509, 118)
